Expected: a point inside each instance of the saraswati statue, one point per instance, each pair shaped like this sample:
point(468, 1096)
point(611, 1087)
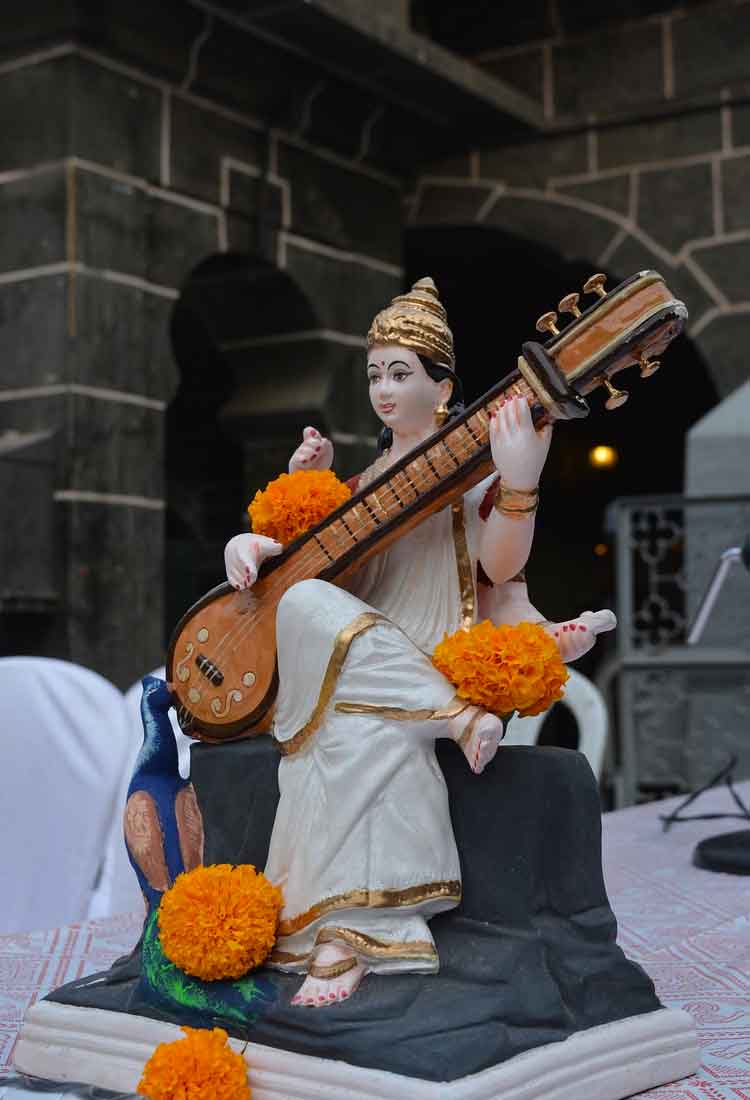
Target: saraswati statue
point(362, 845)
point(360, 624)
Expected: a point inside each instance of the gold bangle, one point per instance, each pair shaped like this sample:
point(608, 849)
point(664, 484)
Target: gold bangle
point(516, 503)
point(516, 513)
point(517, 496)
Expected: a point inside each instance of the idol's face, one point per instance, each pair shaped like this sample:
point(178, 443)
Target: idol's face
point(401, 391)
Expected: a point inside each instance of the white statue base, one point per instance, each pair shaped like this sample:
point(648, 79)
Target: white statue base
point(109, 1049)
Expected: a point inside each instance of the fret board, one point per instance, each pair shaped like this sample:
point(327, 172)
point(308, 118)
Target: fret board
point(427, 479)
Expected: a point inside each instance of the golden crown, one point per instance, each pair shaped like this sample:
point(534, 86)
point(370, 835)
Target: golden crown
point(416, 320)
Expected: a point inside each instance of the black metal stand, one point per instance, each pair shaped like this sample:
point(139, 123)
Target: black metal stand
point(729, 852)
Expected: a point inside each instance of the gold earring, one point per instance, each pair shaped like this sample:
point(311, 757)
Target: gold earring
point(442, 413)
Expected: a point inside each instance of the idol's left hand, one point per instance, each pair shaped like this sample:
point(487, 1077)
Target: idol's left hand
point(518, 450)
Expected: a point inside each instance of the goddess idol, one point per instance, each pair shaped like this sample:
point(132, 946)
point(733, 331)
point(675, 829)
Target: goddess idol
point(362, 845)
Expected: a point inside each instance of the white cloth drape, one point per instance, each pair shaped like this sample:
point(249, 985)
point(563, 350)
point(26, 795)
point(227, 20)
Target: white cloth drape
point(64, 749)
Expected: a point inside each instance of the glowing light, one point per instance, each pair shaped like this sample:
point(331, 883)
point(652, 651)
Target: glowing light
point(603, 456)
point(601, 549)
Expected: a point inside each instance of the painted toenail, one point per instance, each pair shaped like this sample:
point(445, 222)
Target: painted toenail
point(582, 627)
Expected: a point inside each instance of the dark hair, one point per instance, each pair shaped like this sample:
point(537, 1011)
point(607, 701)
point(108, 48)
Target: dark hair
point(455, 401)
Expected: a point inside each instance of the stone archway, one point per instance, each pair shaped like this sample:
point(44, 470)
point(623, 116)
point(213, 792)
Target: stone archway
point(699, 270)
point(234, 417)
point(262, 351)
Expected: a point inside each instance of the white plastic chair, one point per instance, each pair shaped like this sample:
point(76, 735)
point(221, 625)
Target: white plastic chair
point(590, 711)
point(63, 751)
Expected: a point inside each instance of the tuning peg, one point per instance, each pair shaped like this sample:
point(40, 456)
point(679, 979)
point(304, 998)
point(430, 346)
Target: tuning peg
point(569, 304)
point(546, 323)
point(595, 285)
point(616, 397)
point(648, 366)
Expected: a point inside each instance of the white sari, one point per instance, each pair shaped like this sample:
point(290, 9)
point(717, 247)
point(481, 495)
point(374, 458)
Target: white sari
point(362, 844)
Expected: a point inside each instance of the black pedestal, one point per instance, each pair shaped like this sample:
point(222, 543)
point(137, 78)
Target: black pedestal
point(528, 958)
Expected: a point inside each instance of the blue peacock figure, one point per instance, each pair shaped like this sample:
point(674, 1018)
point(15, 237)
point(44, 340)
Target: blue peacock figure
point(163, 822)
point(164, 836)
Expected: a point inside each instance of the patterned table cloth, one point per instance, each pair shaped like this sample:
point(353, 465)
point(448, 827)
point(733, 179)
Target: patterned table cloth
point(690, 929)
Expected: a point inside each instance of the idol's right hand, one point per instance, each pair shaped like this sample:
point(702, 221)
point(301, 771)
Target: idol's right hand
point(314, 452)
point(244, 555)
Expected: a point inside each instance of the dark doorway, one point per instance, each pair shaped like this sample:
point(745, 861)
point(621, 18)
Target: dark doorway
point(203, 466)
point(230, 303)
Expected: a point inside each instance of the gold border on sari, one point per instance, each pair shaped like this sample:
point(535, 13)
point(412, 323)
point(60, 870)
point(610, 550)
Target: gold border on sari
point(363, 944)
point(463, 565)
point(378, 949)
point(341, 645)
point(399, 714)
point(372, 899)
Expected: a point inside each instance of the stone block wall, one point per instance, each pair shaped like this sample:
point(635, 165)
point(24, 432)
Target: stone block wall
point(117, 180)
point(647, 164)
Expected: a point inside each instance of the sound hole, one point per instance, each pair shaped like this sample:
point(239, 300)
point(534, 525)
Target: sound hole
point(209, 670)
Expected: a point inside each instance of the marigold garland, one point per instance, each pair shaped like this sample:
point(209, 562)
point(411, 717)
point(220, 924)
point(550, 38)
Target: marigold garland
point(293, 503)
point(503, 668)
point(219, 921)
point(202, 1066)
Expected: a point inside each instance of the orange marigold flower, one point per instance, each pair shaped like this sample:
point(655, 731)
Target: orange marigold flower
point(201, 1066)
point(293, 503)
point(503, 668)
point(219, 921)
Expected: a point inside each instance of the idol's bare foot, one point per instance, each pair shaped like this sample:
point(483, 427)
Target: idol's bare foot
point(577, 636)
point(332, 977)
point(478, 733)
